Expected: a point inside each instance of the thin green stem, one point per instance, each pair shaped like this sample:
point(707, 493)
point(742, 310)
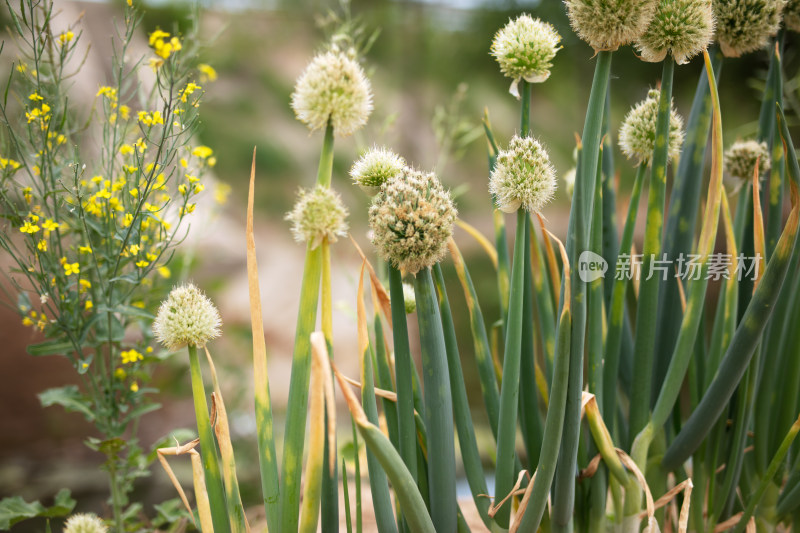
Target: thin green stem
point(407, 429)
point(578, 241)
point(644, 343)
point(509, 390)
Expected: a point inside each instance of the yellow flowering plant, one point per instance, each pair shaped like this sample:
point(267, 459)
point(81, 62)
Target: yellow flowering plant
point(92, 210)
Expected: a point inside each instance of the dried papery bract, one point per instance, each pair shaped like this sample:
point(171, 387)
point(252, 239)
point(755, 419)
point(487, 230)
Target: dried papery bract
point(683, 28)
point(746, 25)
point(318, 214)
point(375, 168)
point(411, 220)
point(333, 87)
point(522, 177)
point(84, 523)
point(637, 135)
point(609, 24)
point(740, 159)
point(525, 48)
point(186, 318)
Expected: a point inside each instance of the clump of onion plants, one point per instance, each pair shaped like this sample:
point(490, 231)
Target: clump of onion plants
point(581, 385)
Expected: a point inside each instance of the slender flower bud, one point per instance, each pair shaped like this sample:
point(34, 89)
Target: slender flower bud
point(740, 159)
point(522, 176)
point(791, 15)
point(84, 523)
point(409, 298)
point(525, 48)
point(375, 168)
point(411, 220)
point(746, 25)
point(318, 214)
point(607, 24)
point(637, 136)
point(186, 317)
point(333, 86)
point(682, 27)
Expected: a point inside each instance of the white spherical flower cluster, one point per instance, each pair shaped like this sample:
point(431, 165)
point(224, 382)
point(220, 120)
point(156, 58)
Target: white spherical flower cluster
point(186, 317)
point(746, 25)
point(683, 28)
point(637, 136)
point(411, 220)
point(317, 215)
point(333, 87)
point(522, 176)
point(375, 168)
point(609, 24)
point(525, 48)
point(740, 159)
point(84, 523)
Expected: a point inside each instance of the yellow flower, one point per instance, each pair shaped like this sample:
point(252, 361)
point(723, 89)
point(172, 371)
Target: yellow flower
point(27, 193)
point(34, 97)
point(156, 35)
point(207, 72)
point(212, 161)
point(27, 227)
point(84, 285)
point(88, 305)
point(120, 373)
point(42, 245)
point(183, 188)
point(124, 112)
point(192, 179)
point(127, 220)
point(85, 249)
point(142, 263)
point(134, 249)
point(72, 268)
point(134, 192)
point(108, 92)
point(130, 356)
point(164, 272)
point(187, 210)
point(138, 303)
point(49, 226)
point(202, 152)
point(134, 387)
point(66, 37)
point(221, 193)
point(184, 163)
point(27, 321)
point(190, 88)
point(126, 149)
point(198, 188)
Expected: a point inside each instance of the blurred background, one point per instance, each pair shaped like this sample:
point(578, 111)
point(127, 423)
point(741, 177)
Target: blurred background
point(432, 78)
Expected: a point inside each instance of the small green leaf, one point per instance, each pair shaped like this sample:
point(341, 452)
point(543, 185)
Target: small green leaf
point(53, 347)
point(69, 397)
point(13, 510)
point(63, 505)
